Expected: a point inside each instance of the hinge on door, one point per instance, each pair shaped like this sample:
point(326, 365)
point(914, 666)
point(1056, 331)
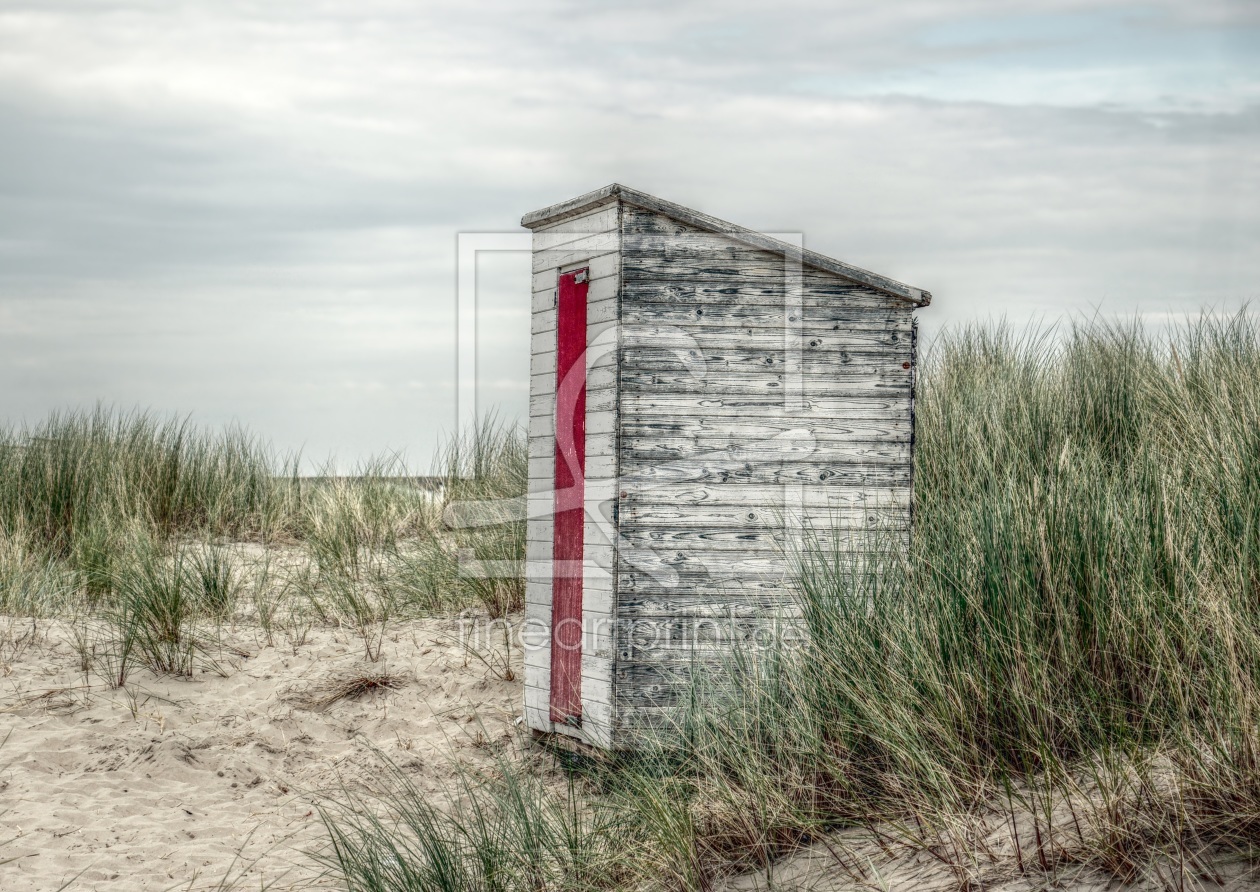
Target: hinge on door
point(581, 276)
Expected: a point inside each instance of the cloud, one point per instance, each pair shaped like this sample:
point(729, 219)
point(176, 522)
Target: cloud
point(249, 209)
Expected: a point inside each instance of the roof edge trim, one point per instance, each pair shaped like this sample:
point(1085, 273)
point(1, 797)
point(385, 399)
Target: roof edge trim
point(575, 207)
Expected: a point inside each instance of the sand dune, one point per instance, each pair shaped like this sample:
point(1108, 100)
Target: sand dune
point(176, 784)
point(181, 784)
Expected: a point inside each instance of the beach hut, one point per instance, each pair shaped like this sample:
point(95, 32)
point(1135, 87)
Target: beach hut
point(703, 398)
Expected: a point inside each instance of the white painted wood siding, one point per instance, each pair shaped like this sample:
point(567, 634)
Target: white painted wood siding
point(592, 240)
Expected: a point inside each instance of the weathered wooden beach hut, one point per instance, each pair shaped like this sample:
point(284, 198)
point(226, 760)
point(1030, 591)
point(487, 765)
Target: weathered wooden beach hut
point(702, 397)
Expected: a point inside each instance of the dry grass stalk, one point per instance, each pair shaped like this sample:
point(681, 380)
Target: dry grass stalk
point(359, 682)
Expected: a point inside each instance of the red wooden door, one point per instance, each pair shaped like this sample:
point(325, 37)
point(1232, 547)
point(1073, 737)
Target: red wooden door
point(566, 588)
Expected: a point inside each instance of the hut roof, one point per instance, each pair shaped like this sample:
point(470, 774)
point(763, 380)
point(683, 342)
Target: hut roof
point(576, 206)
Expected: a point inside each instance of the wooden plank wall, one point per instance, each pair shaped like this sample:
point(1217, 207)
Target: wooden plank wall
point(721, 467)
point(590, 240)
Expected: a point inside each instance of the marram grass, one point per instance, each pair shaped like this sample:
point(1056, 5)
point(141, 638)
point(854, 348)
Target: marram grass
point(64, 479)
point(154, 532)
point(1076, 619)
point(1074, 630)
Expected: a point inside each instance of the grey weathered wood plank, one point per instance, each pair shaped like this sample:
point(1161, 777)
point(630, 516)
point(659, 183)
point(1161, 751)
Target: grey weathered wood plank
point(821, 471)
point(713, 268)
point(730, 515)
point(808, 409)
point(640, 598)
point(661, 686)
point(676, 635)
point(647, 496)
point(709, 540)
point(646, 726)
point(686, 247)
point(808, 338)
point(773, 540)
point(702, 361)
point(669, 636)
point(770, 315)
point(664, 563)
point(847, 380)
point(707, 251)
point(890, 342)
point(727, 293)
point(659, 235)
point(719, 448)
point(651, 686)
point(706, 429)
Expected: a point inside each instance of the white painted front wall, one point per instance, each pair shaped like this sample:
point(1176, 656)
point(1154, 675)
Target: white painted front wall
point(591, 240)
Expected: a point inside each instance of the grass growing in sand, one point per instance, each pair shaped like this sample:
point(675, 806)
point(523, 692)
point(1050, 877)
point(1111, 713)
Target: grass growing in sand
point(151, 534)
point(1058, 676)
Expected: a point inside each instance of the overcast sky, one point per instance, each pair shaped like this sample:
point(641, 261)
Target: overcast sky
point(248, 211)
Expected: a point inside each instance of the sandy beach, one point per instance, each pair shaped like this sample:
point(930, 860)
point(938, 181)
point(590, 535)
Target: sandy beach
point(183, 784)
